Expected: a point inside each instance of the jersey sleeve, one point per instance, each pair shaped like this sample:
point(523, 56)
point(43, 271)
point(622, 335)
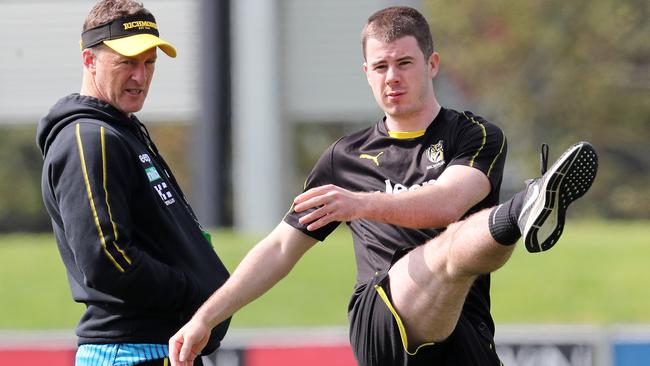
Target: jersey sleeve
point(321, 174)
point(481, 145)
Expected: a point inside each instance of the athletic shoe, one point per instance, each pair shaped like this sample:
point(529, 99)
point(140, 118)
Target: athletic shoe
point(541, 220)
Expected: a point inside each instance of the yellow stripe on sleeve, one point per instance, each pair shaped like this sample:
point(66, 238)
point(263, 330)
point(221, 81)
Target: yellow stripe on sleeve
point(91, 200)
point(471, 162)
point(503, 144)
point(110, 214)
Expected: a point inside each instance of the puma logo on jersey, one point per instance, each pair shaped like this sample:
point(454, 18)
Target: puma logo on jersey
point(375, 159)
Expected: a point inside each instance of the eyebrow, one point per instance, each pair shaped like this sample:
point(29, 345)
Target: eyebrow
point(403, 58)
point(406, 58)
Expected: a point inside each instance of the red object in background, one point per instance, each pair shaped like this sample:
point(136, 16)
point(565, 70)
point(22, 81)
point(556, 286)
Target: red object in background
point(49, 357)
point(299, 356)
point(337, 355)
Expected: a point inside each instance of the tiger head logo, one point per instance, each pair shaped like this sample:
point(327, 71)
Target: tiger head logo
point(436, 155)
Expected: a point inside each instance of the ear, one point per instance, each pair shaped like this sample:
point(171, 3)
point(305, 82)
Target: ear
point(365, 71)
point(89, 59)
point(434, 63)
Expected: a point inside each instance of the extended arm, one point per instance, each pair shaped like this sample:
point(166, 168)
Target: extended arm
point(266, 264)
point(437, 205)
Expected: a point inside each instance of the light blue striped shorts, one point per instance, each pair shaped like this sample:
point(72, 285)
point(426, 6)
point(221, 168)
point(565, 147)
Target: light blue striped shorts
point(119, 354)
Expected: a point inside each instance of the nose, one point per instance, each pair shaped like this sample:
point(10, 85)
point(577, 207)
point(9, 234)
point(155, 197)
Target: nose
point(139, 73)
point(392, 76)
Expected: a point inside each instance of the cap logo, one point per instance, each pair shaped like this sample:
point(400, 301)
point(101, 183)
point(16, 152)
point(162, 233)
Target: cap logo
point(120, 28)
point(129, 36)
point(141, 24)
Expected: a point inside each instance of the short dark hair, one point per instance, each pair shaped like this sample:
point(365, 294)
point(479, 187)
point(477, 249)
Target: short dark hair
point(390, 24)
point(107, 11)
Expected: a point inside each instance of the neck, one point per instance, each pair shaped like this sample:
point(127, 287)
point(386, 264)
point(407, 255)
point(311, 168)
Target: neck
point(416, 121)
point(87, 87)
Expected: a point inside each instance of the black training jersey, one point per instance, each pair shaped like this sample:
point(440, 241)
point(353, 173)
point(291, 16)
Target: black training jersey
point(371, 160)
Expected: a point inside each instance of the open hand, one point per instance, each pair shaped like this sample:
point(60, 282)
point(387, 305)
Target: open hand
point(331, 203)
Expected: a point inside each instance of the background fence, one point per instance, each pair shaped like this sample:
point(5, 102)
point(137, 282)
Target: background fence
point(520, 345)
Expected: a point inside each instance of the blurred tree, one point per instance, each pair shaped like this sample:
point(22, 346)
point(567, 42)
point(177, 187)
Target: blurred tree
point(21, 206)
point(557, 72)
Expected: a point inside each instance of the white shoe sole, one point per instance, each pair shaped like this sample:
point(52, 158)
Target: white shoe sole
point(567, 180)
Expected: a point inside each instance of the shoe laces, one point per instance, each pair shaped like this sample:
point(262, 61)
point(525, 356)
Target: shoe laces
point(543, 163)
point(543, 159)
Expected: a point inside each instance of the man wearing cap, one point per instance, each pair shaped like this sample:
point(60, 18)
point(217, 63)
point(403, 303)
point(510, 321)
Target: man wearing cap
point(134, 251)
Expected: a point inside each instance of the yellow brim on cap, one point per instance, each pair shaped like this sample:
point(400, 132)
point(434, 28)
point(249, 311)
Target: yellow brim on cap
point(136, 44)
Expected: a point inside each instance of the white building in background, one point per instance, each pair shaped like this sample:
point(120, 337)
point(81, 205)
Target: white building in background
point(41, 59)
point(291, 60)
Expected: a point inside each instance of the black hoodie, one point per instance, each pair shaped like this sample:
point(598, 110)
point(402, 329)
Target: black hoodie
point(132, 247)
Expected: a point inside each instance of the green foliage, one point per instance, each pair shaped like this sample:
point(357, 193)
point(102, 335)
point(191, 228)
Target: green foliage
point(557, 72)
point(594, 275)
point(21, 207)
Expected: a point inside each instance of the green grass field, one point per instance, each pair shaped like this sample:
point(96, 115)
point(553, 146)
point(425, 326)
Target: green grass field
point(598, 274)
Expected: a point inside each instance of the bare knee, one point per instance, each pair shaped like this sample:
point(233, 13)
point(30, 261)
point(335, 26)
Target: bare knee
point(446, 257)
point(467, 250)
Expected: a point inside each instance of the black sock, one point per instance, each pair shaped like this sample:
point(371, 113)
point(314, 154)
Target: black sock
point(503, 220)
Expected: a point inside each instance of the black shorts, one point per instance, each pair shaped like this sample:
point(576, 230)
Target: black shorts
point(377, 340)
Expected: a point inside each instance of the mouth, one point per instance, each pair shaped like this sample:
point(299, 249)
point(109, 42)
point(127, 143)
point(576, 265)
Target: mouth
point(392, 95)
point(134, 92)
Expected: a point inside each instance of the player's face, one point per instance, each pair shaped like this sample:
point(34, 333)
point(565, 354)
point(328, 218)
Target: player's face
point(122, 81)
point(399, 76)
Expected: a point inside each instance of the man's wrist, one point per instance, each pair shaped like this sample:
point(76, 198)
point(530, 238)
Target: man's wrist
point(368, 205)
point(204, 317)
